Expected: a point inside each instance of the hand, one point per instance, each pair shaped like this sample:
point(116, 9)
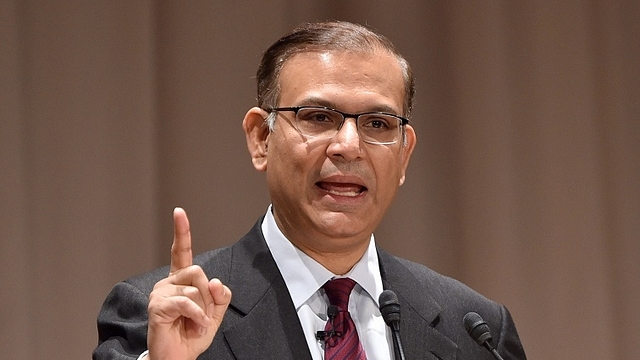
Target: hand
point(185, 309)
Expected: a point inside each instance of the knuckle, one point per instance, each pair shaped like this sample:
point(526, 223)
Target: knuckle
point(190, 292)
point(160, 284)
point(193, 272)
point(177, 250)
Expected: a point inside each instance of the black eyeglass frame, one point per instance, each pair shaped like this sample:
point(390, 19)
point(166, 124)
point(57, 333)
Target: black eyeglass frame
point(403, 121)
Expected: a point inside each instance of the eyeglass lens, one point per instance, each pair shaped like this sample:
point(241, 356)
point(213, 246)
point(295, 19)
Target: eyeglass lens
point(373, 127)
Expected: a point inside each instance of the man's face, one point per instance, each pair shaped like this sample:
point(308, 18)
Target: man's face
point(330, 194)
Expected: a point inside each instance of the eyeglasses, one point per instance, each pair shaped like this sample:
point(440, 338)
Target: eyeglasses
point(322, 122)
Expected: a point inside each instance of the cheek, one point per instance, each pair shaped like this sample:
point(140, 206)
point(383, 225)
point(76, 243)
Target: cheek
point(289, 163)
point(388, 176)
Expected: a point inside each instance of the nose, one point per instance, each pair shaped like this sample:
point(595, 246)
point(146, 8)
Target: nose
point(346, 143)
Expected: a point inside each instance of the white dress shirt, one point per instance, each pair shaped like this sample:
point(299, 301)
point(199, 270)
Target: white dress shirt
point(304, 278)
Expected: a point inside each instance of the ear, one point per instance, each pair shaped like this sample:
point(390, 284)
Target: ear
point(257, 135)
point(406, 150)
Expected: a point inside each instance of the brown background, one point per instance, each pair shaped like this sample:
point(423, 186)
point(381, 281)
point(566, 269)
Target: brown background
point(524, 184)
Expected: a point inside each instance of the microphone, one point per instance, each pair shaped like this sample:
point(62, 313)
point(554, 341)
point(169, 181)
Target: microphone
point(479, 331)
point(332, 312)
point(390, 310)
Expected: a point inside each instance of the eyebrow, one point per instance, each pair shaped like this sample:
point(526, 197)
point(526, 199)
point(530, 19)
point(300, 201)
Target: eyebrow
point(316, 101)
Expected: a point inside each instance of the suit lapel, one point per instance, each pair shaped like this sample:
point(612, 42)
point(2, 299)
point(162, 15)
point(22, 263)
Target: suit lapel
point(420, 312)
point(270, 326)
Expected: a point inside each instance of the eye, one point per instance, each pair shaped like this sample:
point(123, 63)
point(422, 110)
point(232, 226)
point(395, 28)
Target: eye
point(376, 122)
point(317, 115)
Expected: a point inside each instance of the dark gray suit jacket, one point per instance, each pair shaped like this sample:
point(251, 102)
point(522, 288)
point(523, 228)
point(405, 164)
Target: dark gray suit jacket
point(261, 322)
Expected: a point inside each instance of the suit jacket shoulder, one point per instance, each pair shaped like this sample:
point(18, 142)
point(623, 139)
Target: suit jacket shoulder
point(433, 306)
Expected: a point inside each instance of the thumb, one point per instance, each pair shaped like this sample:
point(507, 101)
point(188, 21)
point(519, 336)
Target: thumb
point(221, 299)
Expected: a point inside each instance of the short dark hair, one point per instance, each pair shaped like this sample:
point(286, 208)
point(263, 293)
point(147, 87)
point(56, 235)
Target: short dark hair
point(324, 36)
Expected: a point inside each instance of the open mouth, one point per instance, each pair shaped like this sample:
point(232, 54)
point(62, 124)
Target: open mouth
point(341, 189)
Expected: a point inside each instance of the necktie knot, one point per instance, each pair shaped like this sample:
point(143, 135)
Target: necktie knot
point(338, 291)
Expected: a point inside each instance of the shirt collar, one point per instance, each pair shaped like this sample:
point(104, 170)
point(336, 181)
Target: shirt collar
point(304, 276)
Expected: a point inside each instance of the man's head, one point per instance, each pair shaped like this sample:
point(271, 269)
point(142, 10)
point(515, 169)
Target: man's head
point(329, 193)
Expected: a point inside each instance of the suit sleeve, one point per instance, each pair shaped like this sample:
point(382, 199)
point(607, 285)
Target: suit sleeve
point(508, 343)
point(122, 324)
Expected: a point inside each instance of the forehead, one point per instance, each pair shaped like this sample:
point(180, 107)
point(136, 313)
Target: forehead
point(347, 79)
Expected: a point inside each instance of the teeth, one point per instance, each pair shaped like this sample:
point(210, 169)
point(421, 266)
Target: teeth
point(346, 190)
point(344, 193)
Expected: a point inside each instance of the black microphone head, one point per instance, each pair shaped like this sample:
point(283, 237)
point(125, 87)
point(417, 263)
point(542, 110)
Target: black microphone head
point(477, 328)
point(389, 308)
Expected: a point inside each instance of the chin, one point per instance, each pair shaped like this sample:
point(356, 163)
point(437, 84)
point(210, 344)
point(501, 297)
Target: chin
point(341, 225)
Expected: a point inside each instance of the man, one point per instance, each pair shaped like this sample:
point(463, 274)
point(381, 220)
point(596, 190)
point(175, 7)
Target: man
point(332, 135)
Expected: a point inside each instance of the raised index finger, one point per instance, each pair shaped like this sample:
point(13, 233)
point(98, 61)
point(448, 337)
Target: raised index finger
point(181, 255)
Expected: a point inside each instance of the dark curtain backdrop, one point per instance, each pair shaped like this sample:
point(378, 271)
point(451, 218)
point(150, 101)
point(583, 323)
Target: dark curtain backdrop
point(525, 182)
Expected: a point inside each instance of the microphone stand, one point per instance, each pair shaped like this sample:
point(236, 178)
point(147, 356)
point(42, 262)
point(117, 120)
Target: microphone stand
point(397, 345)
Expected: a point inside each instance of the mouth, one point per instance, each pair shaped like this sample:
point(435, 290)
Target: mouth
point(341, 189)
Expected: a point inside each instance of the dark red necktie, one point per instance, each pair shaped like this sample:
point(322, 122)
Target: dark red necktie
point(345, 343)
